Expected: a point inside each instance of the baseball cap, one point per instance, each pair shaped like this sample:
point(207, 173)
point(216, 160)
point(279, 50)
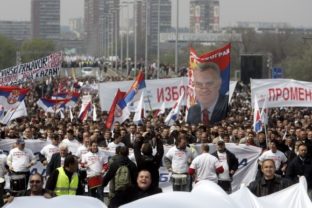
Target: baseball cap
point(20, 141)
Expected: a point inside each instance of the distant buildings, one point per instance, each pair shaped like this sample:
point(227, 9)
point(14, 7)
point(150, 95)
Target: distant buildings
point(45, 19)
point(204, 16)
point(152, 18)
point(16, 30)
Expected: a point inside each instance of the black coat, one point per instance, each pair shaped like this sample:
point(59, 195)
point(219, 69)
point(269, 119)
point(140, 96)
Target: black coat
point(149, 162)
point(54, 163)
point(262, 187)
point(219, 112)
point(231, 160)
point(298, 167)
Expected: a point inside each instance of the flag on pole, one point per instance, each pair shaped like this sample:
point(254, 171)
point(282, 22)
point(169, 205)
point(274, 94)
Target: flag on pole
point(160, 111)
point(94, 115)
point(257, 123)
point(125, 105)
point(11, 97)
point(264, 112)
point(14, 113)
point(71, 116)
point(52, 105)
point(140, 110)
point(111, 115)
point(86, 107)
point(1, 111)
point(174, 113)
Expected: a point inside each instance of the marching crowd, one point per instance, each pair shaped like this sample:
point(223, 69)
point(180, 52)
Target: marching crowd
point(86, 154)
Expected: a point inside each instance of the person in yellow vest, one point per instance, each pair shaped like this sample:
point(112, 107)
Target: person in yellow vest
point(64, 180)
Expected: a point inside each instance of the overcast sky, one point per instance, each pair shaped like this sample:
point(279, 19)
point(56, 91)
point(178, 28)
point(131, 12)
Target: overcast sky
point(296, 12)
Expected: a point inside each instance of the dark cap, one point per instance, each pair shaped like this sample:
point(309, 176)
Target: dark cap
point(20, 141)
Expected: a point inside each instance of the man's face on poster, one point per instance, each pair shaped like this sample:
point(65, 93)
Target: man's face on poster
point(207, 84)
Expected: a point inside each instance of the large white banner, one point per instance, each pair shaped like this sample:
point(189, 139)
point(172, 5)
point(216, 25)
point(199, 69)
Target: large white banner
point(59, 202)
point(157, 92)
point(282, 92)
point(48, 66)
point(247, 156)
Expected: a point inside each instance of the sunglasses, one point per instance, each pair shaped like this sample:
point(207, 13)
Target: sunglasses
point(35, 181)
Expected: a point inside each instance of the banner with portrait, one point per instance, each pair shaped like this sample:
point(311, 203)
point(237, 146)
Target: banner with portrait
point(208, 86)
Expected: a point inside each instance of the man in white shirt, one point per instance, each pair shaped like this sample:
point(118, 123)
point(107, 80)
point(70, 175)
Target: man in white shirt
point(116, 143)
point(229, 163)
point(96, 163)
point(177, 160)
point(277, 156)
point(71, 142)
point(48, 150)
point(20, 160)
point(206, 166)
point(84, 148)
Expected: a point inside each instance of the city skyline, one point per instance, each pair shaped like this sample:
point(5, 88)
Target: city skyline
point(296, 13)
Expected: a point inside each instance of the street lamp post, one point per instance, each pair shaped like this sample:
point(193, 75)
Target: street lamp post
point(146, 42)
point(158, 40)
point(177, 39)
point(135, 32)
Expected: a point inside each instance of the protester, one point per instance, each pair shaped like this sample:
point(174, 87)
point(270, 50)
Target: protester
point(177, 160)
point(64, 180)
point(269, 182)
point(229, 163)
point(205, 166)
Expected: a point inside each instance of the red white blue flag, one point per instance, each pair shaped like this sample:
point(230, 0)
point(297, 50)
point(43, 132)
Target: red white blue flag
point(52, 105)
point(11, 97)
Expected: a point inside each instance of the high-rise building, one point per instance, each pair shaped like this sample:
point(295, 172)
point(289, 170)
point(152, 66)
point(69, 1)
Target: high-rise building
point(101, 26)
point(204, 16)
point(15, 30)
point(152, 19)
point(45, 19)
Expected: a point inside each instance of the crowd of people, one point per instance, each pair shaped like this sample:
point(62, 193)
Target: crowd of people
point(86, 154)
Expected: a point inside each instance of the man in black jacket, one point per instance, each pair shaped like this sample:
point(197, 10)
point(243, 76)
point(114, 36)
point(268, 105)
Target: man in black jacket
point(301, 166)
point(229, 163)
point(269, 182)
point(144, 157)
point(57, 159)
point(118, 161)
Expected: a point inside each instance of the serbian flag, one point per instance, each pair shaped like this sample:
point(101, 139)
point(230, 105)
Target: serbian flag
point(134, 93)
point(11, 97)
point(129, 102)
point(175, 111)
point(221, 57)
point(257, 123)
point(52, 105)
point(111, 116)
point(72, 96)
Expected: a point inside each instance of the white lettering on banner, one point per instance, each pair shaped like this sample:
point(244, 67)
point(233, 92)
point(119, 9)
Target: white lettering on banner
point(246, 155)
point(281, 92)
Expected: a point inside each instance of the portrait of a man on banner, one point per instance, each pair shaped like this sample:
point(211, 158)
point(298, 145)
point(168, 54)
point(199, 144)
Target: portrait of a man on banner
point(209, 78)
